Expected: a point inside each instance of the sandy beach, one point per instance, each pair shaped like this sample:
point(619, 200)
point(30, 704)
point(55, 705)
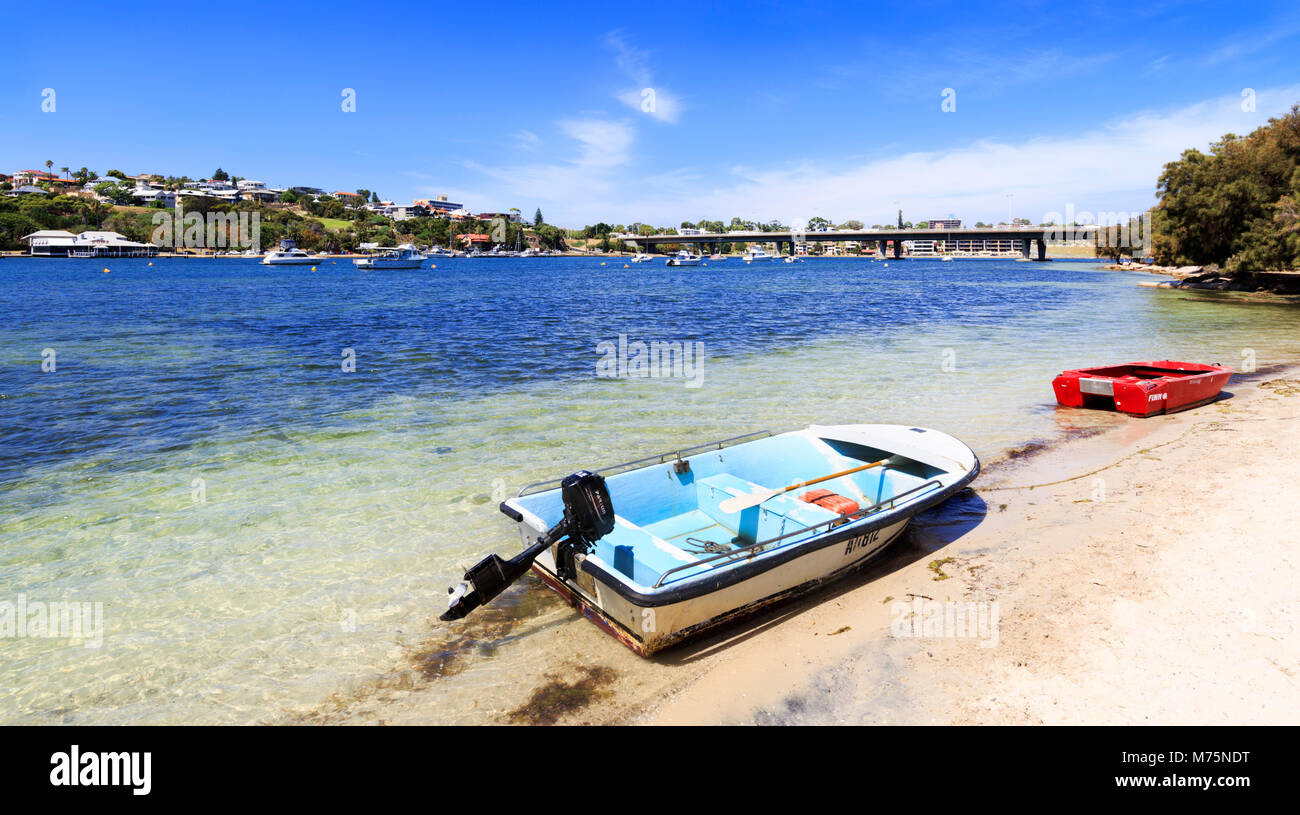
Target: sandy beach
point(1144, 574)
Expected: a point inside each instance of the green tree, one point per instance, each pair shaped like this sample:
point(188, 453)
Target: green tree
point(1235, 205)
point(119, 194)
point(537, 217)
point(220, 175)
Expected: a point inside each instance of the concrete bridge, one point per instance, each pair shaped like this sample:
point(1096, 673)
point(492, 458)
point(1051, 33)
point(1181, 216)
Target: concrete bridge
point(1038, 235)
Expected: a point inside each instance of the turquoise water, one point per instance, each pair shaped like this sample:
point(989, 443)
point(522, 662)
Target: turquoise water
point(264, 528)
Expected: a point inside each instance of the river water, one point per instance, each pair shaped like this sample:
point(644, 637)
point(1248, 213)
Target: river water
point(266, 477)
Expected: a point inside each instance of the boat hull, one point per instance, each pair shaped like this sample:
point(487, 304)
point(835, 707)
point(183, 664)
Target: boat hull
point(1142, 389)
point(390, 264)
point(647, 629)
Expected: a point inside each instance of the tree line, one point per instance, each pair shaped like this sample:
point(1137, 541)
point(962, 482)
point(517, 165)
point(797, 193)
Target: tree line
point(1237, 206)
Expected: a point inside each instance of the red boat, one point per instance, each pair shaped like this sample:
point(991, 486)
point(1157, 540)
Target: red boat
point(1142, 388)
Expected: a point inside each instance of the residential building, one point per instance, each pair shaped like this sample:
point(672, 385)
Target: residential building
point(30, 177)
point(440, 204)
point(145, 195)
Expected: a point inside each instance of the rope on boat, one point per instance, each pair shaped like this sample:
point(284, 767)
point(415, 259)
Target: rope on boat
point(707, 547)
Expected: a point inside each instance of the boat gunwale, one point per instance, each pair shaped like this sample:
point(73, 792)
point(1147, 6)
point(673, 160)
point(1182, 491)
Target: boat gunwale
point(661, 458)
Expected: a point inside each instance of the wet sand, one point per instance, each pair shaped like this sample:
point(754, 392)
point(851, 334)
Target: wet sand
point(1142, 574)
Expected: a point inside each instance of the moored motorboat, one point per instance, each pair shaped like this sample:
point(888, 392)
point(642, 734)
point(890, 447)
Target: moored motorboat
point(289, 255)
point(1142, 388)
point(685, 258)
point(657, 550)
point(641, 257)
point(405, 256)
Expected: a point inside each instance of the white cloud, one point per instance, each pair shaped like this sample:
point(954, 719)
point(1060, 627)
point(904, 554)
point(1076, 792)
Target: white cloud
point(1112, 167)
point(657, 102)
point(647, 97)
point(601, 151)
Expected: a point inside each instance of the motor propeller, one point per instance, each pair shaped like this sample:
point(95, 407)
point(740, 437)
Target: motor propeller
point(588, 517)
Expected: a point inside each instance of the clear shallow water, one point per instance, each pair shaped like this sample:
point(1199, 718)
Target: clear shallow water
point(338, 506)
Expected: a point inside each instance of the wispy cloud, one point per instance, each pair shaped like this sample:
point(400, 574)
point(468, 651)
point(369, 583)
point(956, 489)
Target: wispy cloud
point(646, 96)
point(1254, 42)
point(527, 140)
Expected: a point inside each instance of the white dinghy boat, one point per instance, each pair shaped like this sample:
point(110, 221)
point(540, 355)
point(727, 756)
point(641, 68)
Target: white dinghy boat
point(658, 550)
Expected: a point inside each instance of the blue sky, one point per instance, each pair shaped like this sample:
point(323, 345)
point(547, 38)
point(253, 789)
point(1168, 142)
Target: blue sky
point(769, 111)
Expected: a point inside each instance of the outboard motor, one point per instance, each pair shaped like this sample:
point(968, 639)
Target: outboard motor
point(588, 517)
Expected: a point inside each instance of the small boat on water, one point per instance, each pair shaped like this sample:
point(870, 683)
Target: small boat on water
point(717, 258)
point(400, 257)
point(755, 255)
point(289, 255)
point(641, 257)
point(658, 550)
point(685, 258)
point(1142, 388)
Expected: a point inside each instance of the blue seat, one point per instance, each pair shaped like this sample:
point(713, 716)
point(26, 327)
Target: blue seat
point(776, 516)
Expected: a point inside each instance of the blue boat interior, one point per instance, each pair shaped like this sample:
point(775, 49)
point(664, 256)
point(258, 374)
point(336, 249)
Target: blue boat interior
point(667, 520)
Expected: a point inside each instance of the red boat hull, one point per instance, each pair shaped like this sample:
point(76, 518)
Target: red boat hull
point(1142, 388)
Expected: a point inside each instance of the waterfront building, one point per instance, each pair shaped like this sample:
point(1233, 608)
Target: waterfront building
point(58, 243)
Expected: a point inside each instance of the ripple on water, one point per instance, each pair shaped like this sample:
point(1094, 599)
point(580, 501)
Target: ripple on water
point(271, 537)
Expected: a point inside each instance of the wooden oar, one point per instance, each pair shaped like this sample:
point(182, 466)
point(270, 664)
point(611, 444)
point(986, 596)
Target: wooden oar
point(739, 502)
